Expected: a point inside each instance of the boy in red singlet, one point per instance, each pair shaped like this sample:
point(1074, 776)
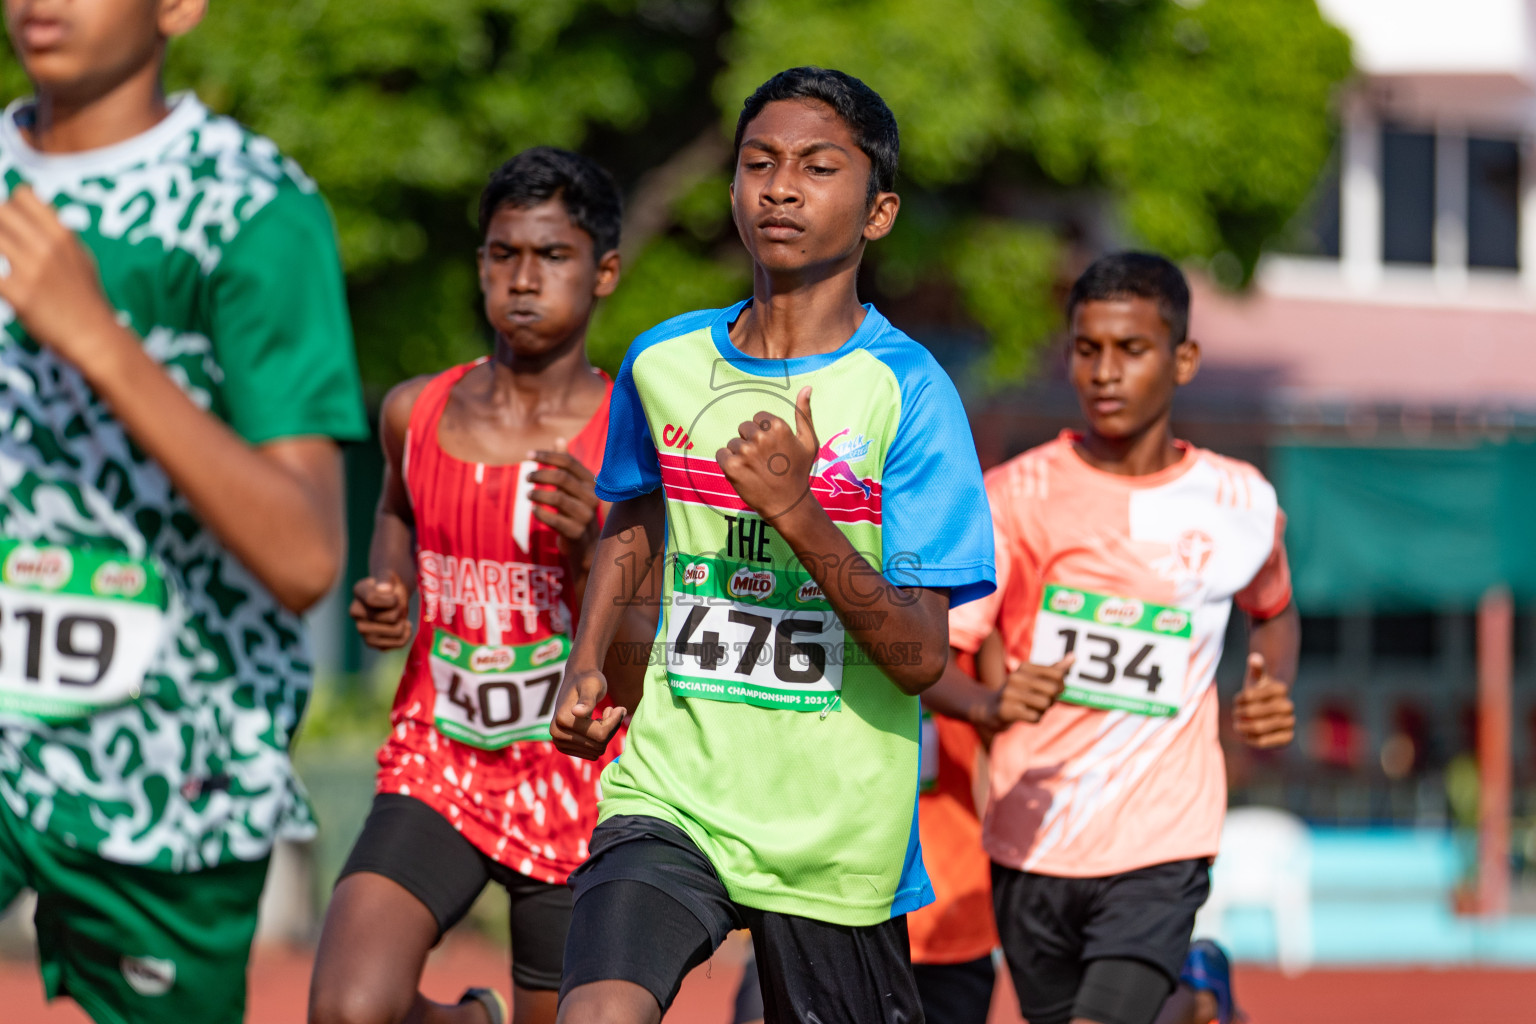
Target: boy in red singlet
point(488, 511)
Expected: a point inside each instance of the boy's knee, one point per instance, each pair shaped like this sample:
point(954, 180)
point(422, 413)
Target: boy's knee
point(353, 1004)
point(609, 1002)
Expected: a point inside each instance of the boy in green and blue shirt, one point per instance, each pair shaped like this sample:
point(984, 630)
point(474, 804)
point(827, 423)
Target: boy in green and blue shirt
point(176, 367)
point(770, 774)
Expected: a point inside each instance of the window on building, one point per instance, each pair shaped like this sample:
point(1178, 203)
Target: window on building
point(1493, 203)
point(1411, 635)
point(1408, 196)
point(1321, 636)
point(1315, 230)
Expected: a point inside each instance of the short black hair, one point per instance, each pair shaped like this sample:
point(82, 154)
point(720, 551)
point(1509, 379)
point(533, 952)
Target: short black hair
point(539, 174)
point(1144, 275)
point(868, 118)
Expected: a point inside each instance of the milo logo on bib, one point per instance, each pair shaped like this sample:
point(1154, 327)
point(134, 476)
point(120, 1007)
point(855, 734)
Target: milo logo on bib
point(809, 591)
point(1068, 602)
point(1119, 611)
point(489, 659)
point(696, 574)
point(756, 585)
point(38, 568)
point(119, 579)
point(1130, 654)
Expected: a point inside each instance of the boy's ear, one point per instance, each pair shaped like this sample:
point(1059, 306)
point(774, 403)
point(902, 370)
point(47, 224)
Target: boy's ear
point(882, 216)
point(1186, 361)
point(607, 274)
point(178, 17)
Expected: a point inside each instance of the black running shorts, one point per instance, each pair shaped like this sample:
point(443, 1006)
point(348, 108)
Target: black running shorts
point(650, 908)
point(411, 844)
point(956, 993)
point(1052, 928)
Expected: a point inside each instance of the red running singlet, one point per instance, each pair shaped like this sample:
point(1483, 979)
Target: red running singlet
point(470, 723)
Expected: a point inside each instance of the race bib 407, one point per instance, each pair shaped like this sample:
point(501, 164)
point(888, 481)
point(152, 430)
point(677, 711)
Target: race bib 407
point(490, 696)
point(1131, 655)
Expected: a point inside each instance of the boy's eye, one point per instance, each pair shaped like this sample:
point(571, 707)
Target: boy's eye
point(820, 170)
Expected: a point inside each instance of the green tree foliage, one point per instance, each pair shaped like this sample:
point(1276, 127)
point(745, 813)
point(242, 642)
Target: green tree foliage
point(1194, 126)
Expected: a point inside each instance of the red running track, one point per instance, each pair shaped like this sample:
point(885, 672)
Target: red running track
point(280, 979)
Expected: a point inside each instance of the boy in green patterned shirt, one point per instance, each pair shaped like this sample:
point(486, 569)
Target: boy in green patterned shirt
point(176, 368)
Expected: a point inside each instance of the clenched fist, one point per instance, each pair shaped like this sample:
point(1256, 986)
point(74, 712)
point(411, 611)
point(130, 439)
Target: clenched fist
point(381, 609)
point(1263, 714)
point(770, 463)
point(1027, 693)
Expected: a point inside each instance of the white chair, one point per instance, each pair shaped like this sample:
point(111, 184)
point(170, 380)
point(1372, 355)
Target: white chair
point(1265, 861)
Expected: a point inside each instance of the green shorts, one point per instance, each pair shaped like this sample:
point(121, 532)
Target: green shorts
point(132, 945)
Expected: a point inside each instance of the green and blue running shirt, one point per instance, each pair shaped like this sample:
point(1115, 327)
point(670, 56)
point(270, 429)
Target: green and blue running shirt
point(149, 684)
point(765, 733)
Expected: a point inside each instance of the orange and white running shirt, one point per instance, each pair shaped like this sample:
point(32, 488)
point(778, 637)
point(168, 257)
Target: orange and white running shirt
point(1135, 575)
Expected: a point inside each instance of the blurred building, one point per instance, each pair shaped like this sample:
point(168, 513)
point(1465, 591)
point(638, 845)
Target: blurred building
point(1382, 371)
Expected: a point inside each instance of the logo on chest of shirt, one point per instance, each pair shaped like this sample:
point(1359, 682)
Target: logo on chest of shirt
point(1187, 560)
point(848, 496)
point(834, 464)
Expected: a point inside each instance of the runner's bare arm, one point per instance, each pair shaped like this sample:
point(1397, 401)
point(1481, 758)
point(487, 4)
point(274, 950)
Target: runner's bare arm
point(566, 501)
point(381, 602)
point(904, 630)
point(1263, 713)
point(631, 541)
point(998, 698)
point(958, 695)
point(277, 506)
point(629, 656)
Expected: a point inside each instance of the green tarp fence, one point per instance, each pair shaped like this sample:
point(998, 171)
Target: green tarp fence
point(1400, 527)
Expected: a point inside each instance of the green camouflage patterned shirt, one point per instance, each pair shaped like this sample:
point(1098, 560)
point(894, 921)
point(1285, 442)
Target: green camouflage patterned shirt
point(221, 254)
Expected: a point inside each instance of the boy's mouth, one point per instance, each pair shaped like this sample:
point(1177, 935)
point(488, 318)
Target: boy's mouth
point(780, 229)
point(41, 33)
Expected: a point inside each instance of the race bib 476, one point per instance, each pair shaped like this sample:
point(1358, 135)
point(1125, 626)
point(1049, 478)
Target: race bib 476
point(1131, 655)
point(752, 636)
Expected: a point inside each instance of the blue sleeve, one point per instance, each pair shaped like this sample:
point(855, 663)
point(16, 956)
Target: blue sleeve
point(630, 467)
point(936, 522)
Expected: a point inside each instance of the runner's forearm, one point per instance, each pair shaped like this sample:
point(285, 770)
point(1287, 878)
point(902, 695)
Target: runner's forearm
point(1279, 640)
point(278, 508)
point(629, 656)
point(957, 695)
point(630, 544)
point(393, 549)
point(904, 630)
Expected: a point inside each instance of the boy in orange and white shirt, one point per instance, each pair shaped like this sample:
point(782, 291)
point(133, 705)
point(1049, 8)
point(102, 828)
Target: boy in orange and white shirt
point(1120, 552)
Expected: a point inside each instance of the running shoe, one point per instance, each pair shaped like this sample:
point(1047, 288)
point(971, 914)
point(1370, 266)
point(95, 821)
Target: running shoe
point(1207, 969)
point(495, 1005)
